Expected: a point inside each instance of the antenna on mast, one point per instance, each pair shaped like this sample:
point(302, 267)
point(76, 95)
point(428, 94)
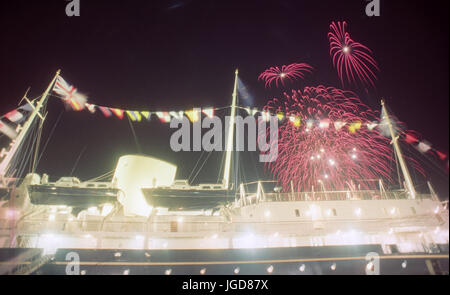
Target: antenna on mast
point(25, 96)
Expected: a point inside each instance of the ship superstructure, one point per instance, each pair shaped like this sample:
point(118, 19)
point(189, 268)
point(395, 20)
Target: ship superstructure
point(144, 221)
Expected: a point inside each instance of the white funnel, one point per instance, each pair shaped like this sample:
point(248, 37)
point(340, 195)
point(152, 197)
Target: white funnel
point(135, 172)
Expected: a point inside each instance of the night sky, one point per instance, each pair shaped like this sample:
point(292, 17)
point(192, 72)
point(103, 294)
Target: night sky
point(175, 55)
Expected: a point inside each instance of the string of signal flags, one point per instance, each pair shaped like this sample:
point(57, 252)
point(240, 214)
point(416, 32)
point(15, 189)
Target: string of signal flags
point(78, 102)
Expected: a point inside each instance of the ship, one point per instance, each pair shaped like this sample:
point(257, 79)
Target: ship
point(144, 221)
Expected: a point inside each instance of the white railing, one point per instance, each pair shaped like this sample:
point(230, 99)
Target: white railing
point(261, 196)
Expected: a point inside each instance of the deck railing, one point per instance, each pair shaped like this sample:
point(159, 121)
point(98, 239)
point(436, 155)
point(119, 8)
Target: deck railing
point(245, 198)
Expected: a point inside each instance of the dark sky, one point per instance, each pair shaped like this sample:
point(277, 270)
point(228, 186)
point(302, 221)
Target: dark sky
point(161, 55)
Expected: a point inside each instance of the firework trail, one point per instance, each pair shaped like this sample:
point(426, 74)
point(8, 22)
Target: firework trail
point(277, 76)
point(353, 61)
point(322, 150)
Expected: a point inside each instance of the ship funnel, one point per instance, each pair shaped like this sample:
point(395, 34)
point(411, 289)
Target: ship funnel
point(136, 172)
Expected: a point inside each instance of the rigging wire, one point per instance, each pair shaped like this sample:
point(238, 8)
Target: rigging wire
point(243, 177)
point(220, 175)
point(77, 160)
point(204, 162)
point(429, 161)
point(196, 164)
point(38, 140)
point(222, 163)
point(103, 176)
point(23, 154)
point(36, 149)
point(31, 146)
point(135, 137)
point(252, 158)
point(49, 137)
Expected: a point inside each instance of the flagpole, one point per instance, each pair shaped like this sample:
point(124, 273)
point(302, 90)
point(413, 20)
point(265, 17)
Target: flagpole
point(399, 154)
point(16, 143)
point(230, 141)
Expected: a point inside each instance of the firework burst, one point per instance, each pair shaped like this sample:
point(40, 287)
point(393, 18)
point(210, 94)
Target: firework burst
point(322, 150)
point(353, 61)
point(277, 76)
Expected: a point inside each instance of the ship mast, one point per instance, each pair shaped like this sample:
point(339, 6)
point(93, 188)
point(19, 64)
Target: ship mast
point(398, 152)
point(17, 142)
point(230, 139)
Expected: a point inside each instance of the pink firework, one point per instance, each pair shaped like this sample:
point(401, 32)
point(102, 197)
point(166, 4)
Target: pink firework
point(277, 76)
point(353, 61)
point(320, 150)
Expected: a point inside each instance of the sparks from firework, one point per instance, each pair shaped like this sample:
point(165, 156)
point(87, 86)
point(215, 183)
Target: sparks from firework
point(277, 76)
point(352, 60)
point(329, 155)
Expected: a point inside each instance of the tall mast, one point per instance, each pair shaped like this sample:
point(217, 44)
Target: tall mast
point(230, 139)
point(399, 154)
point(17, 142)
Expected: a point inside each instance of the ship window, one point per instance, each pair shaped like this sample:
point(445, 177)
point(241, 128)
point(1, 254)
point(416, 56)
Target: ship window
point(91, 185)
point(413, 210)
point(334, 212)
point(394, 249)
point(384, 211)
point(297, 213)
point(173, 226)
